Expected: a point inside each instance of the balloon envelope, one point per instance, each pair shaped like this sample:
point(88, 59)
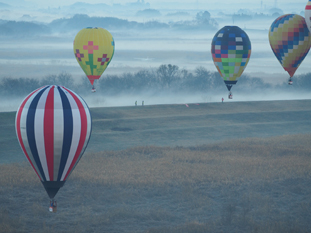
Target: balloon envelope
point(308, 15)
point(53, 127)
point(231, 50)
point(93, 49)
point(290, 41)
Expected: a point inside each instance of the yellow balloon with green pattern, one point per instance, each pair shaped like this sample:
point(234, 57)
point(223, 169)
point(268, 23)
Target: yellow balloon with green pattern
point(94, 49)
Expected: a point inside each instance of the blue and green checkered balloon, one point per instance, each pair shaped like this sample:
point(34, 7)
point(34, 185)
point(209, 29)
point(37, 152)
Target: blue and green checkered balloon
point(231, 50)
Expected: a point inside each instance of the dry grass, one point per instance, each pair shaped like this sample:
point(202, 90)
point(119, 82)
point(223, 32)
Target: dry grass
point(17, 174)
point(249, 185)
point(231, 162)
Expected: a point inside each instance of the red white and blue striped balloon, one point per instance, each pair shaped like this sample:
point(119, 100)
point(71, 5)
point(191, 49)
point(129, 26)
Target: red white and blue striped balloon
point(53, 126)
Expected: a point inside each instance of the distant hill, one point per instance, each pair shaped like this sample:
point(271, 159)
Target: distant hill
point(3, 21)
point(148, 13)
point(86, 8)
point(88, 5)
point(4, 5)
point(178, 14)
point(22, 28)
point(111, 23)
point(80, 7)
point(80, 21)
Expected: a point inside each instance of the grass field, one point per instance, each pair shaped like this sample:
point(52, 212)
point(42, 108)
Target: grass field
point(249, 185)
point(252, 174)
point(119, 128)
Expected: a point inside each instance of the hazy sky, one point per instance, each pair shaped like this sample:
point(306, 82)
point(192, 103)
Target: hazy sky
point(256, 3)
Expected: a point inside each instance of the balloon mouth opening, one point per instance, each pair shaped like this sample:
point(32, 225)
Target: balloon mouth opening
point(229, 84)
point(52, 187)
point(92, 78)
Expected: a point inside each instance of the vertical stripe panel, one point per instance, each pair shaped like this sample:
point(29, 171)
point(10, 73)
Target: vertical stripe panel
point(24, 133)
point(89, 125)
point(83, 120)
point(30, 131)
point(76, 133)
point(49, 132)
point(68, 128)
point(58, 131)
point(39, 132)
point(20, 124)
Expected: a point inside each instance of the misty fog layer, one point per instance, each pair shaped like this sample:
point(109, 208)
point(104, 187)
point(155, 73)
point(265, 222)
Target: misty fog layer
point(167, 84)
point(37, 46)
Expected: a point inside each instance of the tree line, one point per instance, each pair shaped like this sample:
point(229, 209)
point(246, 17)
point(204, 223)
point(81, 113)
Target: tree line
point(167, 78)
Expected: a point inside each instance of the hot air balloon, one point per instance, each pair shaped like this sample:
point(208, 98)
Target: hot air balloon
point(231, 50)
point(308, 15)
point(93, 49)
point(53, 127)
point(290, 41)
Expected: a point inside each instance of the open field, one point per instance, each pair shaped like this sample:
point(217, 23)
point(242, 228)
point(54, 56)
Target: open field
point(246, 185)
point(118, 128)
point(216, 167)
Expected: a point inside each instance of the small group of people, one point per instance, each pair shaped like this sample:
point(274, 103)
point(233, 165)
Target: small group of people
point(53, 206)
point(142, 103)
